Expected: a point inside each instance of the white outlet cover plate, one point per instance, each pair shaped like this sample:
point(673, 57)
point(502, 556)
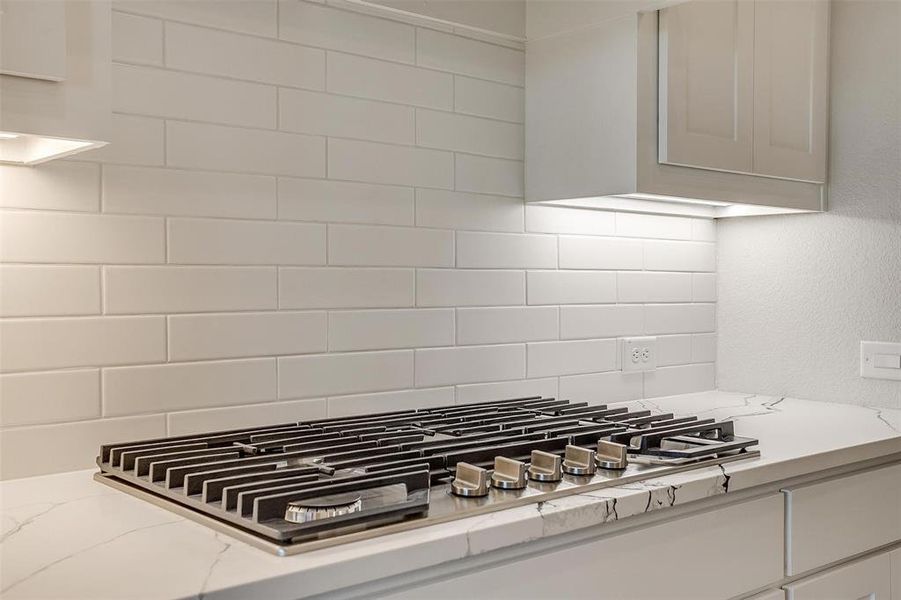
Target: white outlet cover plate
point(880, 353)
point(640, 353)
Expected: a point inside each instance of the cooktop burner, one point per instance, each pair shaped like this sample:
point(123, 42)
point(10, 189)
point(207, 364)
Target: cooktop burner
point(295, 487)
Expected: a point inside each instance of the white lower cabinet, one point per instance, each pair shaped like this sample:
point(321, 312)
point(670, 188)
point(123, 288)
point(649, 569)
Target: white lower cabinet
point(840, 518)
point(868, 579)
point(711, 555)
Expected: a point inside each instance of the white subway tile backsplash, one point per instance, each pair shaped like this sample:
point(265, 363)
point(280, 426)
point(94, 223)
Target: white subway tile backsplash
point(703, 347)
point(48, 237)
point(251, 137)
point(551, 219)
point(23, 450)
point(161, 93)
point(653, 226)
point(155, 388)
point(684, 379)
point(571, 357)
point(48, 397)
point(673, 350)
point(488, 175)
point(506, 324)
point(383, 163)
point(344, 373)
point(679, 318)
point(583, 252)
point(369, 78)
point(153, 191)
point(469, 57)
point(352, 32)
point(488, 99)
point(56, 185)
point(645, 286)
point(505, 251)
point(387, 329)
point(703, 230)
point(59, 343)
point(257, 17)
point(231, 242)
point(238, 417)
point(343, 406)
point(679, 256)
point(221, 148)
point(446, 287)
point(326, 114)
point(364, 245)
point(174, 289)
point(521, 388)
point(459, 210)
point(214, 52)
point(602, 388)
point(448, 131)
point(137, 39)
point(474, 364)
point(703, 287)
point(612, 320)
point(345, 288)
point(133, 141)
point(571, 287)
point(344, 202)
point(51, 290)
point(197, 337)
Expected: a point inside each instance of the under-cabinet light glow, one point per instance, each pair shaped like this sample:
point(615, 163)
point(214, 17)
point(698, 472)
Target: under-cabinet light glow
point(29, 149)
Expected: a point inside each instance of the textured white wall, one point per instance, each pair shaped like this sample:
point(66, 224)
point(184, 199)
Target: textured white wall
point(797, 294)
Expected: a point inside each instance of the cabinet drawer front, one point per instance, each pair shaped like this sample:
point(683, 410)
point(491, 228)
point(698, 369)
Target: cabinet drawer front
point(707, 556)
point(870, 579)
point(839, 518)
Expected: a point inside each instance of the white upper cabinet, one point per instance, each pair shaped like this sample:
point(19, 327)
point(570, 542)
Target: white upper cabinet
point(707, 85)
point(791, 69)
point(743, 86)
point(708, 108)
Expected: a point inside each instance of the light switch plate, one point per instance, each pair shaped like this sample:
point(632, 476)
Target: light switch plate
point(640, 354)
point(878, 360)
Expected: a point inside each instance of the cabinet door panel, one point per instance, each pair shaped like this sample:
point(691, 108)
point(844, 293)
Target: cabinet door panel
point(791, 88)
point(706, 80)
point(869, 579)
point(842, 517)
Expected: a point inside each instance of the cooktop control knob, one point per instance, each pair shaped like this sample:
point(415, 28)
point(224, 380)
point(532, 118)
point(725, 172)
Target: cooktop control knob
point(509, 474)
point(612, 455)
point(324, 507)
point(579, 461)
point(469, 481)
point(545, 467)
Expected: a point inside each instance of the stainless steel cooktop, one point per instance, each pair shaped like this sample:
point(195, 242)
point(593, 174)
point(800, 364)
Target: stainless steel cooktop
point(296, 487)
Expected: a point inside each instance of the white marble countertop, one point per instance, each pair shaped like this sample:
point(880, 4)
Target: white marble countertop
point(66, 536)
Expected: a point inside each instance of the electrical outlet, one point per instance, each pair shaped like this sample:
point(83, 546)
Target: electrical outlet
point(640, 354)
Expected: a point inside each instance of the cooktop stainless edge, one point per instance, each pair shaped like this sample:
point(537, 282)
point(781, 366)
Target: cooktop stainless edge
point(443, 506)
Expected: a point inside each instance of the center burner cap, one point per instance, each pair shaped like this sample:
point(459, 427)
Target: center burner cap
point(323, 507)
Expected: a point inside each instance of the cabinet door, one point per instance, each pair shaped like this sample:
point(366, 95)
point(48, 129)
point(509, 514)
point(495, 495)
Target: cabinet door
point(869, 579)
point(706, 84)
point(791, 68)
point(33, 39)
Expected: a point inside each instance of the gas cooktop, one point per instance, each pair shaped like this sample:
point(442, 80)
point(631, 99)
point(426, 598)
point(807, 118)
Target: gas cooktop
point(296, 487)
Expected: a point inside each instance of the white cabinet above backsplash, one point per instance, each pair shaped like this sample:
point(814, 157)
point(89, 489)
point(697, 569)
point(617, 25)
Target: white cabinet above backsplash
point(743, 87)
point(702, 108)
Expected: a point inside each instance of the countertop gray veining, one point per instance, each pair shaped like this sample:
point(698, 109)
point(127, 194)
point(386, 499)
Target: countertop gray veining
point(66, 536)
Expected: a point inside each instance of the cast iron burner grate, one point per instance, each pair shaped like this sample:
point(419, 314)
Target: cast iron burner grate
point(300, 486)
